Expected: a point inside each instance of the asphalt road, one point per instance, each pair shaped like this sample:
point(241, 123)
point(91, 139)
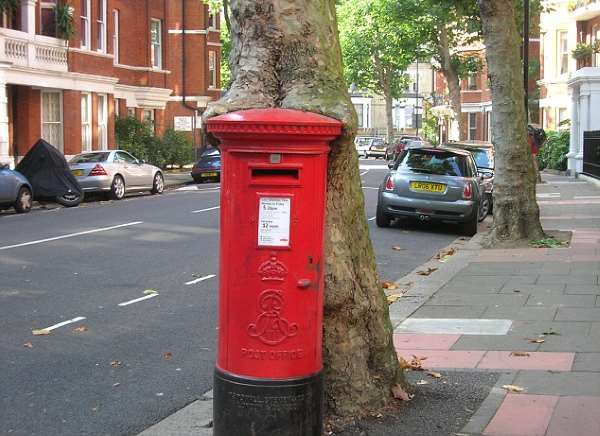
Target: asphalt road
point(136, 356)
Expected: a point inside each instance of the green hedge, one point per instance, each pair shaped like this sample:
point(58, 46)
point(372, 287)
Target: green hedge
point(553, 154)
point(137, 137)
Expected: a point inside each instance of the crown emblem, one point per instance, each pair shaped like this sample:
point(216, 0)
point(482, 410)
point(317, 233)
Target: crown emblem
point(272, 269)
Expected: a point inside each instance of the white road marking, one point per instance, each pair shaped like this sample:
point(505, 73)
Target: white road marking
point(201, 279)
point(197, 188)
point(60, 324)
point(455, 326)
point(375, 167)
point(71, 235)
point(369, 187)
point(206, 210)
point(549, 195)
point(372, 219)
point(364, 172)
point(587, 197)
point(137, 300)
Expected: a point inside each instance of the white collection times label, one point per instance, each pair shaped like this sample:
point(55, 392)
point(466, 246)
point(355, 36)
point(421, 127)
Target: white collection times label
point(274, 221)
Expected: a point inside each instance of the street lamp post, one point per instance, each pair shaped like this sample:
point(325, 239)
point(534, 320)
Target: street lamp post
point(417, 99)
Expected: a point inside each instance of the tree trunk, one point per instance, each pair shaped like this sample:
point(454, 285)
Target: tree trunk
point(516, 213)
point(452, 79)
point(389, 112)
point(287, 54)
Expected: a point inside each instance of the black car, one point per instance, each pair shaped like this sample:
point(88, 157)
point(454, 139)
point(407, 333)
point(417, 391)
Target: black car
point(208, 168)
point(483, 153)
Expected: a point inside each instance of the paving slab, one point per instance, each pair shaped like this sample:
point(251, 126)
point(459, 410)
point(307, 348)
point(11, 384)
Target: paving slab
point(561, 300)
point(531, 361)
point(470, 289)
point(578, 314)
point(491, 280)
point(450, 312)
point(439, 359)
point(455, 326)
point(571, 343)
point(531, 329)
point(534, 289)
point(443, 299)
point(522, 280)
point(576, 416)
point(582, 289)
point(424, 341)
point(559, 383)
point(194, 419)
point(521, 313)
point(522, 415)
point(494, 342)
point(575, 279)
point(587, 362)
point(595, 329)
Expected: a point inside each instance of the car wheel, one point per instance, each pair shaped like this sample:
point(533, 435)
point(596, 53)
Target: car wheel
point(24, 200)
point(70, 199)
point(382, 219)
point(158, 185)
point(484, 208)
point(469, 228)
point(117, 189)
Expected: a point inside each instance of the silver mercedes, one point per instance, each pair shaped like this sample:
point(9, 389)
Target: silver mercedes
point(115, 172)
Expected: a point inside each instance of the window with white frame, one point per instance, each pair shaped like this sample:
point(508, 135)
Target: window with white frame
point(472, 81)
point(596, 41)
point(84, 24)
point(149, 116)
point(472, 126)
point(563, 51)
point(52, 123)
point(116, 30)
point(359, 113)
point(101, 26)
point(563, 115)
point(212, 69)
point(102, 121)
point(48, 17)
point(488, 117)
point(212, 21)
point(156, 43)
point(131, 112)
point(117, 107)
point(86, 122)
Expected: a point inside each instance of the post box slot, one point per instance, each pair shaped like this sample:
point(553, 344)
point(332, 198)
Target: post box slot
point(285, 173)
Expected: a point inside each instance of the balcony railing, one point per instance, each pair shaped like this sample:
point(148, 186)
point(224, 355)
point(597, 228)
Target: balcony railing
point(586, 9)
point(33, 51)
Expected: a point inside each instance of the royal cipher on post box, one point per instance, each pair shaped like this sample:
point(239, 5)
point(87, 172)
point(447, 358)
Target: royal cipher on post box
point(268, 376)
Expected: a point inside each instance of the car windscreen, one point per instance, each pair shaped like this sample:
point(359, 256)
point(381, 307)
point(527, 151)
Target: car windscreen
point(483, 158)
point(211, 152)
point(89, 157)
point(431, 161)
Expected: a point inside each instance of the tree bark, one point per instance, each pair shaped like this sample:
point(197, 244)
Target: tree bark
point(452, 79)
point(287, 54)
point(516, 212)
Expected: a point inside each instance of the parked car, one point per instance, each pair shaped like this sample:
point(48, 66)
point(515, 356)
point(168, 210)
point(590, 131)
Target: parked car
point(368, 146)
point(432, 183)
point(115, 172)
point(208, 166)
point(48, 173)
point(483, 153)
point(15, 190)
point(397, 146)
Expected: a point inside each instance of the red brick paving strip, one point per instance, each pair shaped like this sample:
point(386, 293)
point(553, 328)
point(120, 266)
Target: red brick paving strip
point(523, 415)
point(548, 361)
point(577, 416)
point(423, 341)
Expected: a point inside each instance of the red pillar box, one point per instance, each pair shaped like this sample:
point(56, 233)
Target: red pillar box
point(268, 377)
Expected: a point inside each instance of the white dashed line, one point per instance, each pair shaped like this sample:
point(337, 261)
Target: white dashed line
point(60, 324)
point(369, 187)
point(372, 219)
point(206, 210)
point(201, 279)
point(549, 195)
point(137, 300)
point(587, 197)
point(197, 189)
point(364, 172)
point(71, 235)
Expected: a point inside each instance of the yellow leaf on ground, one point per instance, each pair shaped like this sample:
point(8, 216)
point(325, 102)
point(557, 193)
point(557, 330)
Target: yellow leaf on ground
point(427, 272)
point(536, 341)
point(397, 248)
point(150, 292)
point(40, 332)
point(80, 329)
point(28, 345)
point(403, 363)
point(116, 363)
point(168, 355)
point(400, 394)
point(389, 285)
point(434, 374)
point(422, 382)
point(444, 255)
point(513, 388)
point(393, 298)
point(519, 354)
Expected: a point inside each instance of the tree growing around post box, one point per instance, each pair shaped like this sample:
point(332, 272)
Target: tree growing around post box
point(287, 54)
point(516, 212)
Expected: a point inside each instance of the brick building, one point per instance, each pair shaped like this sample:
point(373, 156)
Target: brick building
point(153, 59)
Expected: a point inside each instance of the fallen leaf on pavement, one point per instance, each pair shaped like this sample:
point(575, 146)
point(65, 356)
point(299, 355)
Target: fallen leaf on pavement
point(404, 363)
point(116, 363)
point(434, 374)
point(428, 272)
point(168, 355)
point(400, 394)
point(28, 345)
point(40, 332)
point(513, 388)
point(150, 292)
point(416, 364)
point(116, 384)
point(536, 341)
point(422, 382)
point(444, 255)
point(80, 329)
point(519, 354)
point(393, 298)
point(397, 248)
point(389, 285)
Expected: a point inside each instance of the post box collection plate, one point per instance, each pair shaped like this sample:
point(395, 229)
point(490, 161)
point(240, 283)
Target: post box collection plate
point(268, 376)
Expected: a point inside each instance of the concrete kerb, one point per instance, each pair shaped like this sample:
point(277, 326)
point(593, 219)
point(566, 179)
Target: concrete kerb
point(422, 288)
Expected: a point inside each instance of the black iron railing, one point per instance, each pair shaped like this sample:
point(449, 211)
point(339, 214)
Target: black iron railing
point(591, 153)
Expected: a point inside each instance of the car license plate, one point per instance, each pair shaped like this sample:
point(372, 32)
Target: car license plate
point(427, 187)
point(77, 173)
point(208, 175)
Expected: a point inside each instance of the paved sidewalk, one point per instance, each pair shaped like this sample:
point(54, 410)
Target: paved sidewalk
point(532, 314)
point(529, 318)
